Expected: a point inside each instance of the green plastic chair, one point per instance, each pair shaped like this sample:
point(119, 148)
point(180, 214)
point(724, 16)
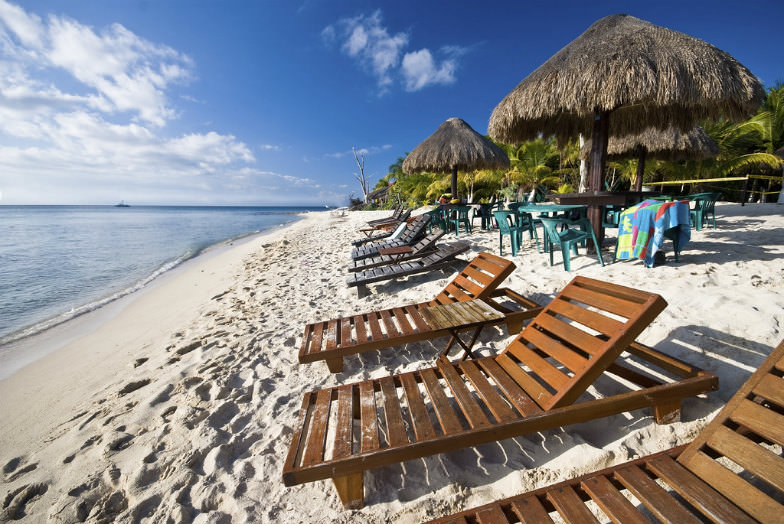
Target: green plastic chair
point(459, 215)
point(568, 240)
point(507, 226)
point(437, 220)
point(704, 205)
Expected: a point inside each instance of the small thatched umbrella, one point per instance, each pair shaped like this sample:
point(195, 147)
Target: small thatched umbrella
point(669, 144)
point(455, 146)
point(645, 75)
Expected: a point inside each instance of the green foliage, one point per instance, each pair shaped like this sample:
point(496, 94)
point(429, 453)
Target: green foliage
point(744, 148)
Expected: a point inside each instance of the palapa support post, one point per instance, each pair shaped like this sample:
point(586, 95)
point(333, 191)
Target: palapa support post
point(454, 182)
point(599, 138)
point(351, 490)
point(640, 168)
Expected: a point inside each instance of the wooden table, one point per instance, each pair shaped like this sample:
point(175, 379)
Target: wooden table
point(469, 314)
point(396, 253)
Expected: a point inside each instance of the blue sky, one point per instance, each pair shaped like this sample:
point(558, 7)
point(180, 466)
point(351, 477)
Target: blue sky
point(260, 102)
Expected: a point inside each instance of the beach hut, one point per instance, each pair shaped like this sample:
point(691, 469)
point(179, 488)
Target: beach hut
point(621, 76)
point(455, 146)
point(667, 144)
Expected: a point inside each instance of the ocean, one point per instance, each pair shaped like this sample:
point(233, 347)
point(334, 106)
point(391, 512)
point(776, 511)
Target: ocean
point(57, 262)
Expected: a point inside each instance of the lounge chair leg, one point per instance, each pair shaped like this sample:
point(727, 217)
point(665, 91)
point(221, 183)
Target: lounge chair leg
point(351, 490)
point(335, 365)
point(514, 326)
point(667, 412)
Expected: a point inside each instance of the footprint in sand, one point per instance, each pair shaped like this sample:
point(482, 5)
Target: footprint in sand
point(133, 386)
point(15, 503)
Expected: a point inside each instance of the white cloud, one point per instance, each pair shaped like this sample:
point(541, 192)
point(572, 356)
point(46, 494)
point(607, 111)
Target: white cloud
point(269, 147)
point(420, 70)
point(119, 71)
point(83, 114)
point(377, 50)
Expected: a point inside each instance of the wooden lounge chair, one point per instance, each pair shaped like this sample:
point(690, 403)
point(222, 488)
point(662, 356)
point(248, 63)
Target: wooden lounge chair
point(413, 232)
point(334, 339)
point(390, 234)
point(693, 483)
point(395, 255)
point(387, 224)
point(442, 256)
point(394, 216)
point(531, 386)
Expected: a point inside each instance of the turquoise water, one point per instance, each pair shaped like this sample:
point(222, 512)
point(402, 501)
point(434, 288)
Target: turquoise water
point(57, 262)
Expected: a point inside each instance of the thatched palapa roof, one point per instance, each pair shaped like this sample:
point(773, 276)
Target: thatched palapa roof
point(669, 144)
point(646, 75)
point(455, 146)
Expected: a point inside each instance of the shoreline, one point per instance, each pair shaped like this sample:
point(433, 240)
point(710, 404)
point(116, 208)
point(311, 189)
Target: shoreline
point(183, 404)
point(25, 349)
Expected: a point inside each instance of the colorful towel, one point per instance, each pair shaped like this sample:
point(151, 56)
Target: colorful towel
point(642, 228)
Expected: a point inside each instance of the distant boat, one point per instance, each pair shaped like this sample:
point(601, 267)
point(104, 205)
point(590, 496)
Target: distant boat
point(122, 204)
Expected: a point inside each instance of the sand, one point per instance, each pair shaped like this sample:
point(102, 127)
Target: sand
point(180, 405)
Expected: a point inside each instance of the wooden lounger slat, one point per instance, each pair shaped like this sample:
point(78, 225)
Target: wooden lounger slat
point(318, 334)
point(345, 331)
point(423, 427)
point(532, 388)
point(530, 511)
point(368, 417)
point(592, 319)
point(400, 316)
point(447, 417)
point(332, 334)
point(492, 515)
point(603, 301)
point(756, 459)
point(471, 409)
point(419, 322)
point(697, 493)
point(764, 422)
point(375, 327)
point(314, 452)
point(747, 497)
point(770, 388)
point(554, 377)
point(359, 326)
point(566, 332)
point(570, 506)
point(396, 430)
point(344, 427)
point(306, 341)
point(300, 434)
point(612, 501)
point(511, 389)
point(497, 405)
point(665, 507)
point(552, 347)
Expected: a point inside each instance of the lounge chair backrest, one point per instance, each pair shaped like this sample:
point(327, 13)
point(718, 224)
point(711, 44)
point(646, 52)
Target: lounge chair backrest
point(738, 435)
point(576, 337)
point(427, 242)
point(478, 280)
point(415, 229)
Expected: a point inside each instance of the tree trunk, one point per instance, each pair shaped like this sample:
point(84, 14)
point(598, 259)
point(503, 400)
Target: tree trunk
point(454, 183)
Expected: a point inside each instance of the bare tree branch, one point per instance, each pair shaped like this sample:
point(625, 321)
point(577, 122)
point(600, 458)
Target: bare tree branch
point(363, 180)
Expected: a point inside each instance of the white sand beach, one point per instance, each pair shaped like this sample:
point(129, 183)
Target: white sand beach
point(180, 405)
